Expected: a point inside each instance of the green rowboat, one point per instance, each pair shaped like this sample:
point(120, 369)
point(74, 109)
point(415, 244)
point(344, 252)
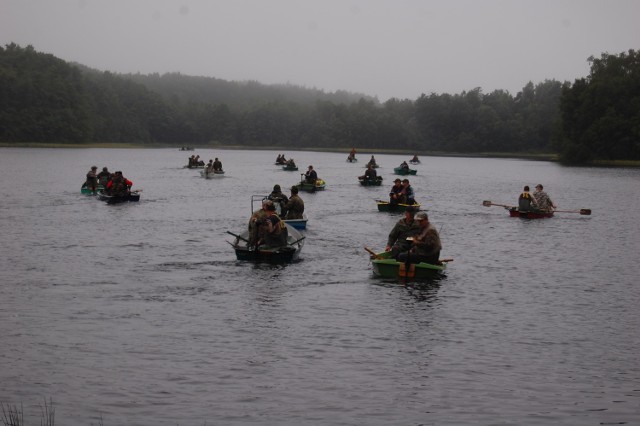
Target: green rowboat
point(387, 267)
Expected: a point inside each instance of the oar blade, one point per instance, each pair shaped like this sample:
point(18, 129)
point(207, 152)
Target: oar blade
point(486, 203)
point(585, 212)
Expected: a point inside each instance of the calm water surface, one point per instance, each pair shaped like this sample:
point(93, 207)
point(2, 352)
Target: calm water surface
point(139, 314)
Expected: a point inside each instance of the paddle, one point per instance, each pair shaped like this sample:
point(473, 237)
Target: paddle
point(373, 253)
point(296, 241)
point(489, 204)
point(238, 237)
point(581, 211)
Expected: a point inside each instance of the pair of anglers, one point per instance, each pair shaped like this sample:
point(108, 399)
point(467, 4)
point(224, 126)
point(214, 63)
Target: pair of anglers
point(414, 239)
point(402, 192)
point(539, 201)
point(266, 228)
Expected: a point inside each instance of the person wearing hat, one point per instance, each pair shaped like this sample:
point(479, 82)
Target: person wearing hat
point(294, 208)
point(104, 176)
point(426, 245)
point(542, 199)
point(278, 198)
point(119, 185)
point(526, 202)
point(396, 192)
point(92, 179)
point(405, 228)
point(217, 165)
point(257, 218)
point(407, 195)
point(273, 231)
point(370, 174)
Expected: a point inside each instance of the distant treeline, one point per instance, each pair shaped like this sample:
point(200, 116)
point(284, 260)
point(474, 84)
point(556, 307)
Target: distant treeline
point(45, 99)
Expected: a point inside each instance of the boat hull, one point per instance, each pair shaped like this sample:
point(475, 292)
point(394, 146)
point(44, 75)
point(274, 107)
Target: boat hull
point(85, 190)
point(116, 199)
point(404, 172)
point(387, 267)
point(215, 174)
point(290, 168)
point(385, 206)
point(309, 187)
point(299, 224)
point(275, 256)
point(369, 182)
point(514, 212)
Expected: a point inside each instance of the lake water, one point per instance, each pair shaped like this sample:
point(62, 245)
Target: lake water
point(139, 314)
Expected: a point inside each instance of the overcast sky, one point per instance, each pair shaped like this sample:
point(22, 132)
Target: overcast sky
point(383, 48)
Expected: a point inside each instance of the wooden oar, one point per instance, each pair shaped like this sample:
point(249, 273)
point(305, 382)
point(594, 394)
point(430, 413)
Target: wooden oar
point(238, 237)
point(581, 211)
point(373, 253)
point(487, 203)
point(296, 241)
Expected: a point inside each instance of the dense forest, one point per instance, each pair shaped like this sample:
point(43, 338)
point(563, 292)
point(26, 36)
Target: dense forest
point(45, 99)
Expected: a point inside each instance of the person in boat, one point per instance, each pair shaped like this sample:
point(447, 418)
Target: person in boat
point(255, 220)
point(404, 166)
point(279, 159)
point(426, 245)
point(92, 179)
point(526, 202)
point(352, 155)
point(311, 176)
point(198, 161)
point(415, 159)
point(404, 228)
point(370, 174)
point(407, 196)
point(294, 208)
point(273, 230)
point(372, 161)
point(209, 167)
point(119, 185)
point(291, 163)
point(542, 199)
point(278, 198)
point(396, 192)
point(191, 162)
point(217, 165)
point(104, 176)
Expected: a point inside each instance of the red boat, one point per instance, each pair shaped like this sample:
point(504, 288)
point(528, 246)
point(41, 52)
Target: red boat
point(514, 212)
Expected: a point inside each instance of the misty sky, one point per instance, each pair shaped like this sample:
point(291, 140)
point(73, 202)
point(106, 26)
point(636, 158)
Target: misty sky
point(394, 48)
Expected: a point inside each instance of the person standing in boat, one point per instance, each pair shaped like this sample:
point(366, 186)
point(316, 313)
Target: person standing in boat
point(526, 202)
point(217, 165)
point(542, 199)
point(273, 229)
point(407, 195)
point(103, 177)
point(404, 228)
point(396, 192)
point(255, 220)
point(294, 209)
point(92, 179)
point(311, 176)
point(426, 245)
point(278, 198)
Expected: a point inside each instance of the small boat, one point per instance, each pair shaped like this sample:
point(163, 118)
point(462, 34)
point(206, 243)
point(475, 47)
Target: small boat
point(115, 199)
point(85, 190)
point(186, 148)
point(370, 182)
point(514, 212)
point(414, 162)
point(198, 166)
point(403, 171)
point(286, 254)
point(300, 224)
point(387, 267)
point(385, 206)
point(211, 175)
point(310, 187)
point(290, 167)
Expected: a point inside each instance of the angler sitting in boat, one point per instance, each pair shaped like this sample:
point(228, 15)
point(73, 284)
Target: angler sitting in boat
point(278, 198)
point(92, 180)
point(425, 246)
point(370, 174)
point(209, 167)
point(291, 163)
point(403, 229)
point(414, 160)
point(272, 231)
point(526, 202)
point(217, 165)
point(281, 160)
point(396, 192)
point(372, 162)
point(407, 196)
point(311, 176)
point(103, 177)
point(542, 199)
point(404, 166)
point(294, 208)
point(119, 185)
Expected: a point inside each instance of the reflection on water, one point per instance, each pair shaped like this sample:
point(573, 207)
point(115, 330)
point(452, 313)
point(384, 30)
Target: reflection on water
point(141, 314)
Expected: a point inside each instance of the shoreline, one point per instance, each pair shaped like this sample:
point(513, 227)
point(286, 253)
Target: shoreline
point(506, 155)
